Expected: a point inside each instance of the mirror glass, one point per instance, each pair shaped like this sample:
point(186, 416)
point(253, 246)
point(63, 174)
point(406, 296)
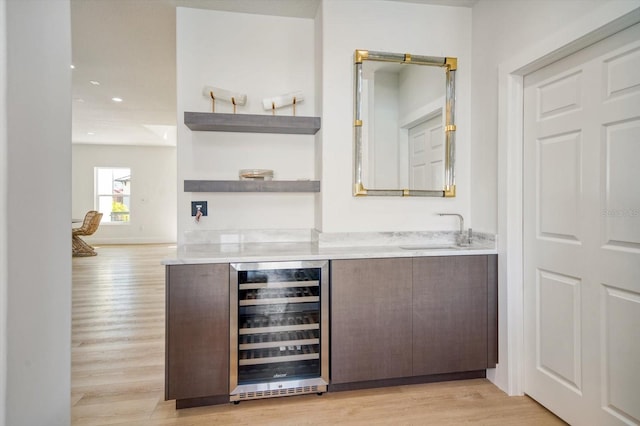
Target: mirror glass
point(404, 125)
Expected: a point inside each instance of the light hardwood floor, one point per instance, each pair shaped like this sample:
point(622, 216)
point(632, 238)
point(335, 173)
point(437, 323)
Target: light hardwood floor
point(118, 366)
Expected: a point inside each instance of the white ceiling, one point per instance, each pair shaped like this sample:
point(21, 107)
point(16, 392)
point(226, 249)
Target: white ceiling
point(129, 46)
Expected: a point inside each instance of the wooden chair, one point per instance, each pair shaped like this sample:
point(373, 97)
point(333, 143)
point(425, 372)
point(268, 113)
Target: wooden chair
point(89, 226)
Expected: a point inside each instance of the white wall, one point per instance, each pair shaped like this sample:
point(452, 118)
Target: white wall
point(3, 214)
point(262, 56)
point(214, 48)
point(318, 85)
point(521, 24)
point(393, 27)
point(38, 153)
point(153, 191)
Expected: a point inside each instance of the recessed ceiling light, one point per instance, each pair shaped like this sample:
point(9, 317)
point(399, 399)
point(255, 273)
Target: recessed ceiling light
point(73, 67)
point(94, 82)
point(91, 133)
point(116, 99)
point(79, 100)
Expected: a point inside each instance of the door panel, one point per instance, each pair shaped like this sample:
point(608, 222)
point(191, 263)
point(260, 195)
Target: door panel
point(582, 233)
point(558, 314)
point(426, 154)
point(436, 158)
point(622, 206)
point(621, 309)
point(560, 96)
point(418, 156)
point(558, 184)
point(618, 80)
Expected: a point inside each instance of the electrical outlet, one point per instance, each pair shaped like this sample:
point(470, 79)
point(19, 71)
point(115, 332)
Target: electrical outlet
point(196, 204)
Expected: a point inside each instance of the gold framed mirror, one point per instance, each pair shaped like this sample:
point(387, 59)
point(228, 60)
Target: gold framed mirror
point(404, 124)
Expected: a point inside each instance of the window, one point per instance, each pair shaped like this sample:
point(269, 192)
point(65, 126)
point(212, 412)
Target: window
point(113, 193)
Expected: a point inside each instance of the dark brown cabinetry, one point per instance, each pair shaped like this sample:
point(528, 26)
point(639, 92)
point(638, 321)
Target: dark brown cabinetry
point(449, 314)
point(197, 334)
point(412, 318)
point(392, 321)
point(370, 319)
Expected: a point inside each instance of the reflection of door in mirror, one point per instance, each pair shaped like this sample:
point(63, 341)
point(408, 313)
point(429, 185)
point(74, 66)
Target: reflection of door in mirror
point(403, 143)
point(426, 154)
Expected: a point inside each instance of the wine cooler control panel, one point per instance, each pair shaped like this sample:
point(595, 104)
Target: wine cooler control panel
point(279, 329)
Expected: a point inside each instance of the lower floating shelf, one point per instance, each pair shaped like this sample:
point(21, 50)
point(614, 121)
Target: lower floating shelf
point(251, 186)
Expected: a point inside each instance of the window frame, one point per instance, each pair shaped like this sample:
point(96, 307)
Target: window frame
point(107, 218)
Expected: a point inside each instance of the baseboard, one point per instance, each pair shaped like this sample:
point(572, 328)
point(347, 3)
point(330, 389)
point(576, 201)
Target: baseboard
point(127, 241)
point(337, 387)
point(201, 401)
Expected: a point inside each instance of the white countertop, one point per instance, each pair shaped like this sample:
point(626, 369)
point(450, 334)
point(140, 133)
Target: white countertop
point(293, 251)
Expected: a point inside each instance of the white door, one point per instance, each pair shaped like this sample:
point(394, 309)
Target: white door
point(582, 233)
point(426, 154)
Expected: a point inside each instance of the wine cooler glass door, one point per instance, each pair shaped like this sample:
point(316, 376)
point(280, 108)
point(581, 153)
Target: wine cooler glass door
point(279, 336)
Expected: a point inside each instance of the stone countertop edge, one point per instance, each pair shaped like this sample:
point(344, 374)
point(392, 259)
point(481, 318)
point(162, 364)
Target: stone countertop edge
point(281, 252)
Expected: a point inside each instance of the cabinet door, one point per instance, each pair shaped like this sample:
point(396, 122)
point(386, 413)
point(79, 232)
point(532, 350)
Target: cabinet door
point(371, 319)
point(197, 331)
point(449, 314)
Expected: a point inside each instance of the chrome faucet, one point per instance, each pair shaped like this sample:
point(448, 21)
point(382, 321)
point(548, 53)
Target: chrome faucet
point(462, 239)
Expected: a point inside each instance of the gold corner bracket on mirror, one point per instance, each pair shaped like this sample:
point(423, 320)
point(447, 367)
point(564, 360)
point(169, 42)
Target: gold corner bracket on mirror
point(359, 190)
point(451, 63)
point(404, 124)
point(450, 192)
point(361, 55)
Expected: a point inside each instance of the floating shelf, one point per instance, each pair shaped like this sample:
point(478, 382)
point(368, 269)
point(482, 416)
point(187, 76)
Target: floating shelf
point(251, 123)
point(251, 186)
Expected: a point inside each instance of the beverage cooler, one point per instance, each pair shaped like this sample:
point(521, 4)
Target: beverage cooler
point(279, 329)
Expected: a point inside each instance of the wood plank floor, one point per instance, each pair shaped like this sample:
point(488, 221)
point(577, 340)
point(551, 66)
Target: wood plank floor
point(118, 366)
